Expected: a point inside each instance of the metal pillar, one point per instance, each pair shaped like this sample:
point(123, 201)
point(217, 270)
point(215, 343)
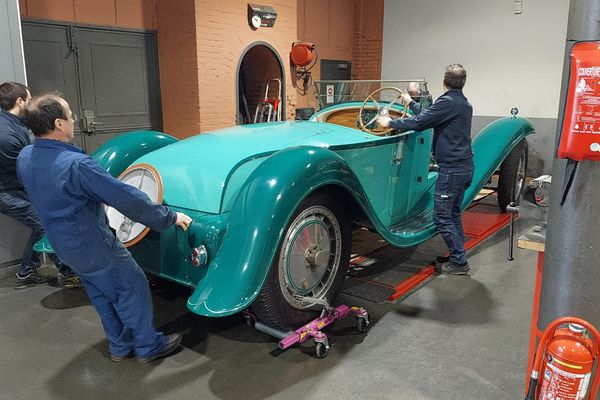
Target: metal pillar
point(571, 277)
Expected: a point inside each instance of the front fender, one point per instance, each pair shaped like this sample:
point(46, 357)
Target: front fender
point(491, 146)
point(256, 224)
point(119, 153)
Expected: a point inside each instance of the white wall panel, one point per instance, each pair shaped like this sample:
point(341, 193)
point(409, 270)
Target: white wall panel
point(511, 59)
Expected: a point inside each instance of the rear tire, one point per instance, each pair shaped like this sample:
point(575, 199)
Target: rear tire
point(311, 260)
point(512, 175)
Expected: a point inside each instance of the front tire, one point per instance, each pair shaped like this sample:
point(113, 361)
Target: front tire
point(311, 260)
point(512, 175)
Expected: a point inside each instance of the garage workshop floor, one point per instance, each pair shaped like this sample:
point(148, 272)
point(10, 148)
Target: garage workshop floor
point(454, 338)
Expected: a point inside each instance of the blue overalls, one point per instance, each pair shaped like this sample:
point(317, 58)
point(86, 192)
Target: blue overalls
point(69, 189)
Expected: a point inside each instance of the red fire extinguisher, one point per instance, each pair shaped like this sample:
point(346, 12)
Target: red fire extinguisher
point(566, 356)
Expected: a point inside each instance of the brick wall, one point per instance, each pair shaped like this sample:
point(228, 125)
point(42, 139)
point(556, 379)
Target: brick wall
point(367, 39)
point(222, 35)
point(178, 67)
point(200, 45)
point(329, 25)
point(349, 30)
point(139, 14)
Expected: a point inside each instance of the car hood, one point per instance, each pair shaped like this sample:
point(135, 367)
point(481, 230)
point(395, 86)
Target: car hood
point(196, 170)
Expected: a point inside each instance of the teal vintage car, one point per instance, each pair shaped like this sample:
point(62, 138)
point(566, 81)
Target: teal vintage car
point(274, 204)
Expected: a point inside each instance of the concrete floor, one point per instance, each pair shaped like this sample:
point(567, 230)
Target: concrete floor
point(455, 338)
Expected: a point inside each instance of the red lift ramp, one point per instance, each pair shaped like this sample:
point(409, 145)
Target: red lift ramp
point(381, 273)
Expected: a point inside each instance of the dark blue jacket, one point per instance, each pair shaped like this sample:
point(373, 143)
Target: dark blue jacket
point(14, 136)
point(68, 189)
point(450, 117)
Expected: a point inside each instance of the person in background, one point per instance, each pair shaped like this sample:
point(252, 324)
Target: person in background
point(450, 116)
point(69, 190)
point(14, 136)
point(414, 91)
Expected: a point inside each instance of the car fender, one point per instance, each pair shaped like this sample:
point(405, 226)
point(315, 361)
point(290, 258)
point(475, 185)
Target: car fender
point(257, 221)
point(119, 153)
point(491, 146)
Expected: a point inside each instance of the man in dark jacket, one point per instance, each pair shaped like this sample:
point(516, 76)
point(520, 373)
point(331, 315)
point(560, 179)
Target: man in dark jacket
point(450, 117)
point(69, 191)
point(14, 136)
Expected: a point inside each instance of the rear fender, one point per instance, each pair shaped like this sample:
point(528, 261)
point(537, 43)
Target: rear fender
point(119, 153)
point(257, 221)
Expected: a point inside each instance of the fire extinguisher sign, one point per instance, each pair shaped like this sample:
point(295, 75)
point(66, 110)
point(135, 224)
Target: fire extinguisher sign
point(580, 136)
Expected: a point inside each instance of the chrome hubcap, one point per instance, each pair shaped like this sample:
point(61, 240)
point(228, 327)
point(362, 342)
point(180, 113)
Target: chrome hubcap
point(310, 256)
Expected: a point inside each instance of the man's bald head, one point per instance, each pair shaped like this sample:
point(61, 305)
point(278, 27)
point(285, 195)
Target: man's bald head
point(43, 111)
point(413, 88)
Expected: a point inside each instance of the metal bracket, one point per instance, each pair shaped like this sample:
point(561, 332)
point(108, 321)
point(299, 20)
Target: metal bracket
point(71, 40)
point(88, 123)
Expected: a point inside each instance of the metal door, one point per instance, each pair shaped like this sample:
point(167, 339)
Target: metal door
point(110, 77)
point(51, 64)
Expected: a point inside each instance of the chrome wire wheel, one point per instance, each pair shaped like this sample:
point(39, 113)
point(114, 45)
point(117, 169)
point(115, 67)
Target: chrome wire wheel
point(511, 180)
point(310, 256)
point(520, 178)
point(311, 260)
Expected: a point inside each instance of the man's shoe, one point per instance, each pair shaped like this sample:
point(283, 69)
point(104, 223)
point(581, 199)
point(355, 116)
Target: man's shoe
point(453, 269)
point(171, 344)
point(32, 279)
point(69, 281)
point(116, 358)
point(441, 260)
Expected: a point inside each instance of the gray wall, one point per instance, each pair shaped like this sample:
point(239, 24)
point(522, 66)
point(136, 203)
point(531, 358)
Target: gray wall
point(511, 59)
point(12, 68)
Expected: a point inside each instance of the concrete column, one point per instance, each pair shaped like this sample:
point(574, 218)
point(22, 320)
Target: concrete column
point(571, 279)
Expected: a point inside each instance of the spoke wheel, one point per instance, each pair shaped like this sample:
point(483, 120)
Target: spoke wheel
point(311, 261)
point(513, 170)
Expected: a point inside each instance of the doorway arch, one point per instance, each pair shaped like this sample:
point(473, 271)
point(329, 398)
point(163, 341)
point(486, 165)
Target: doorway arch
point(258, 63)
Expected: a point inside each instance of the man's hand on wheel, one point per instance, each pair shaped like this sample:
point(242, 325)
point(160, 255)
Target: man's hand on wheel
point(383, 122)
point(406, 99)
point(183, 221)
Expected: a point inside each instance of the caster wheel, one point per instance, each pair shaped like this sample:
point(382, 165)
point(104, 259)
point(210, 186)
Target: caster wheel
point(249, 321)
point(363, 323)
point(321, 349)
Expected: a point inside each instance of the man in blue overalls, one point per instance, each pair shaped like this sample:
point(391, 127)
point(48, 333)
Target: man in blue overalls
point(450, 117)
point(69, 190)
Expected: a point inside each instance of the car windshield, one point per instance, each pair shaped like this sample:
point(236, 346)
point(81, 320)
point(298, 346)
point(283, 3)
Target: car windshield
point(329, 93)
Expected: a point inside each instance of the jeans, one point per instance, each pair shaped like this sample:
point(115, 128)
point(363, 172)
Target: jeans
point(15, 205)
point(452, 181)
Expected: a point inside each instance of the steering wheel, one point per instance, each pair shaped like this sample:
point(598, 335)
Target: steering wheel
point(383, 110)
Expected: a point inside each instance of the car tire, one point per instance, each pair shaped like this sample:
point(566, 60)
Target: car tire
point(511, 180)
point(320, 262)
